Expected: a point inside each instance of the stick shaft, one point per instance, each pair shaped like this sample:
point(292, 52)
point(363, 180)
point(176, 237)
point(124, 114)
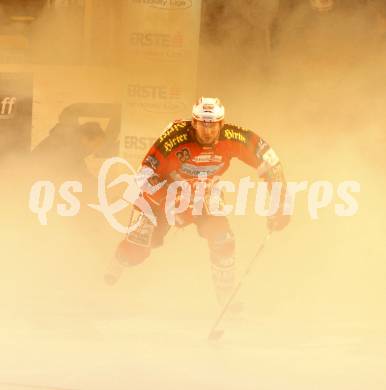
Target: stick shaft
point(239, 284)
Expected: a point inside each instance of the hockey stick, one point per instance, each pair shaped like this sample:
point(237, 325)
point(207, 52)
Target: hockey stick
point(215, 333)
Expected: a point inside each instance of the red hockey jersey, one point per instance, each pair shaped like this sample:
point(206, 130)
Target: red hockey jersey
point(177, 155)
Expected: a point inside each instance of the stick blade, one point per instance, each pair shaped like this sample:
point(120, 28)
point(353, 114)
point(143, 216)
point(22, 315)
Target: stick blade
point(215, 334)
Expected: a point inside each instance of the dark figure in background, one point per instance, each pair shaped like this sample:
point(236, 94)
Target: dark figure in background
point(17, 15)
point(212, 16)
point(244, 26)
point(62, 154)
point(323, 32)
point(379, 8)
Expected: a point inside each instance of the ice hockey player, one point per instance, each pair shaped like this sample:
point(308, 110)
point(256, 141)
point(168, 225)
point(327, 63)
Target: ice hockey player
point(186, 150)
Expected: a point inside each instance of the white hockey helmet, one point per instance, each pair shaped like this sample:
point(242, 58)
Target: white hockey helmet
point(322, 5)
point(208, 110)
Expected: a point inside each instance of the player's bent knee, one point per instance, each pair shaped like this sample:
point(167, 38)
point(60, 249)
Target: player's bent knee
point(222, 247)
point(130, 254)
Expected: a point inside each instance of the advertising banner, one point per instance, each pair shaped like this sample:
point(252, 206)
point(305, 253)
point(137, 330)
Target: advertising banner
point(162, 56)
point(15, 113)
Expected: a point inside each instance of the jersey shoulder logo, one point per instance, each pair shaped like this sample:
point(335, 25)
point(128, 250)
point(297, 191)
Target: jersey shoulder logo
point(236, 133)
point(175, 134)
